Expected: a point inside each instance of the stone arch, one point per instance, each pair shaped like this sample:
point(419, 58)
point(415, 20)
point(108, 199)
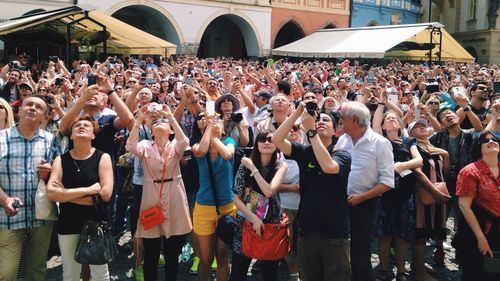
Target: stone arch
point(289, 32)
point(330, 26)
point(168, 29)
point(472, 51)
point(241, 26)
point(35, 11)
point(373, 23)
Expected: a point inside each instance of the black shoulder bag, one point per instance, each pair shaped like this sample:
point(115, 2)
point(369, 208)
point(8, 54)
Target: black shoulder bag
point(96, 245)
point(226, 225)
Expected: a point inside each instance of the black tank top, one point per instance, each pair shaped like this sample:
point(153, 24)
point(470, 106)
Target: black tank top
point(73, 216)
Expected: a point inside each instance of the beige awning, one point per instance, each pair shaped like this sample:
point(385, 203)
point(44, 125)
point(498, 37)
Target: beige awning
point(124, 38)
point(373, 42)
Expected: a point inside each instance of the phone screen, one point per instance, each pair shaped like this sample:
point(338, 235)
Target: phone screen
point(210, 107)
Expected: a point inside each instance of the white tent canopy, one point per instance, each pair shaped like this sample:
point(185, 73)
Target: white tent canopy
point(364, 42)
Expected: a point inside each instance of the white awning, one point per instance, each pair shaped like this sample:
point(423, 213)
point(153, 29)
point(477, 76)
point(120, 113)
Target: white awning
point(364, 42)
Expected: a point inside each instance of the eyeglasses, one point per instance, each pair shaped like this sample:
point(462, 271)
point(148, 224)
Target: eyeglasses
point(482, 88)
point(132, 81)
point(317, 92)
point(487, 140)
point(199, 117)
point(264, 139)
point(329, 89)
point(433, 102)
point(158, 121)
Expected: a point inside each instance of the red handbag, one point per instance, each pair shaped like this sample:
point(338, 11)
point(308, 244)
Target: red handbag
point(273, 245)
point(425, 196)
point(152, 217)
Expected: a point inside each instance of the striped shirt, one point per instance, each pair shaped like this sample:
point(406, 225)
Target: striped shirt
point(18, 176)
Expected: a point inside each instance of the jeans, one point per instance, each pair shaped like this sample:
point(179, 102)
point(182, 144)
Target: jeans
point(135, 208)
point(37, 246)
point(362, 221)
point(240, 266)
point(71, 268)
point(171, 250)
point(118, 204)
point(323, 258)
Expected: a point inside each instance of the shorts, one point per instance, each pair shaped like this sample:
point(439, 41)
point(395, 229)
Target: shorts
point(205, 217)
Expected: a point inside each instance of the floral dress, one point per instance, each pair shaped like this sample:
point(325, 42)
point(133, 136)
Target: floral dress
point(242, 181)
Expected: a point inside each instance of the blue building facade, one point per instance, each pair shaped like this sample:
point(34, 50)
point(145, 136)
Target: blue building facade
point(384, 12)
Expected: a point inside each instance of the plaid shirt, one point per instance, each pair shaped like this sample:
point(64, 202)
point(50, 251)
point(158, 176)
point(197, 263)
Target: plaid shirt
point(18, 176)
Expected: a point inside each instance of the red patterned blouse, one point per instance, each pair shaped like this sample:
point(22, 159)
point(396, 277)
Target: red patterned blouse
point(477, 181)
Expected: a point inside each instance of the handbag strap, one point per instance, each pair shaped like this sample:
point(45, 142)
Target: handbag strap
point(433, 171)
point(212, 181)
point(164, 166)
point(98, 205)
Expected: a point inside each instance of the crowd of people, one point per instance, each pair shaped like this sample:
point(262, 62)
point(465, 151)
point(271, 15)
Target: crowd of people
point(347, 153)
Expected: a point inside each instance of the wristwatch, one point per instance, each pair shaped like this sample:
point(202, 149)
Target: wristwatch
point(311, 133)
point(467, 108)
point(195, 100)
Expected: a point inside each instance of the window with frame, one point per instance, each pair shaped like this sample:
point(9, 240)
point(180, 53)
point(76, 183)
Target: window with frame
point(472, 9)
point(395, 18)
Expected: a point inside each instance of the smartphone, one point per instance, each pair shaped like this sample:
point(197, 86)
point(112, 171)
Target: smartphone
point(148, 80)
point(460, 91)
point(155, 107)
point(91, 79)
point(189, 80)
point(178, 86)
point(416, 111)
point(393, 97)
point(210, 104)
point(270, 62)
point(496, 87)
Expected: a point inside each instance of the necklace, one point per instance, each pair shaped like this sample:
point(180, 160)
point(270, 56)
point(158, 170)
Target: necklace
point(76, 165)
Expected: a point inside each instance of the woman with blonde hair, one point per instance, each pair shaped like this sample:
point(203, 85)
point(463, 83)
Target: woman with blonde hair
point(6, 115)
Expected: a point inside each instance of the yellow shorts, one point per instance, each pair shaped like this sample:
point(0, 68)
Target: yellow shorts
point(205, 217)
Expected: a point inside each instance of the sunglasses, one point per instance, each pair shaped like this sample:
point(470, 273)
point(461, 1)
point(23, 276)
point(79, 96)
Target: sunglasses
point(158, 121)
point(132, 81)
point(433, 102)
point(199, 117)
point(317, 92)
point(482, 88)
point(487, 140)
point(264, 139)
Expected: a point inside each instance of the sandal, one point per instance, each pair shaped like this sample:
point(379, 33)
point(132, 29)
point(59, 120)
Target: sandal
point(383, 275)
point(401, 276)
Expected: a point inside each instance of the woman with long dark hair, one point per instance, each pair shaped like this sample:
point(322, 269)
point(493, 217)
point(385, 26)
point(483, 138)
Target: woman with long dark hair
point(478, 235)
point(258, 178)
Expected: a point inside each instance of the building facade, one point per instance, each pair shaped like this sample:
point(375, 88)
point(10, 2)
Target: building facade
point(384, 12)
point(294, 19)
point(238, 28)
point(475, 24)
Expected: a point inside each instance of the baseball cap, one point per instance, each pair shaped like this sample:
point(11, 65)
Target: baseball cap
point(419, 121)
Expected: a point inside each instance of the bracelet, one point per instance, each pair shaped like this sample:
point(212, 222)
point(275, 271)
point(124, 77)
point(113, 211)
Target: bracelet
point(254, 172)
point(381, 103)
point(110, 92)
point(171, 120)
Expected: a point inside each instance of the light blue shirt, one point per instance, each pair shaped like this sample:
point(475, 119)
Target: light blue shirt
point(372, 161)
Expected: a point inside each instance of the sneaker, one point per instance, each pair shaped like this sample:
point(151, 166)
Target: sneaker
point(139, 273)
point(214, 265)
point(194, 267)
point(161, 261)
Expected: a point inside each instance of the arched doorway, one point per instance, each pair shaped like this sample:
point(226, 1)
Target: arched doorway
point(149, 20)
point(472, 51)
point(330, 26)
point(289, 33)
point(228, 36)
point(373, 23)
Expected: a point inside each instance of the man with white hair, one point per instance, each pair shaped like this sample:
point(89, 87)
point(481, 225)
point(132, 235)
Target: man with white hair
point(372, 173)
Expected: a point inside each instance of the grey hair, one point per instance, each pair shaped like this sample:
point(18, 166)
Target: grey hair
point(359, 110)
point(277, 95)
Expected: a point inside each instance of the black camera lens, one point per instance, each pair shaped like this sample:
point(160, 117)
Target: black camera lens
point(58, 82)
point(311, 108)
point(236, 117)
point(48, 99)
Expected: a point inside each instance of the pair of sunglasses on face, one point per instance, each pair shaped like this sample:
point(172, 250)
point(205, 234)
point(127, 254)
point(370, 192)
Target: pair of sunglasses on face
point(159, 121)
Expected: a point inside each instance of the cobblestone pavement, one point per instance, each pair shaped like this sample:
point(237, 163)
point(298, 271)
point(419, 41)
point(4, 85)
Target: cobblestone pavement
point(123, 265)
